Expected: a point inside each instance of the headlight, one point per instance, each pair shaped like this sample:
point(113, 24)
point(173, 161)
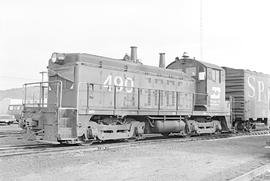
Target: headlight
point(54, 57)
point(58, 58)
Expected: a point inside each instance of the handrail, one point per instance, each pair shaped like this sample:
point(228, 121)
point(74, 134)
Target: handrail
point(41, 87)
point(113, 89)
point(142, 88)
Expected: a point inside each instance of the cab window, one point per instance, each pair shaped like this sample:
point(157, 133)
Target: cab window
point(202, 73)
point(214, 75)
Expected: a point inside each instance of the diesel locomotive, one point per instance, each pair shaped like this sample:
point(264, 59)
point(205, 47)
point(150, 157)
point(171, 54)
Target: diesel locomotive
point(92, 98)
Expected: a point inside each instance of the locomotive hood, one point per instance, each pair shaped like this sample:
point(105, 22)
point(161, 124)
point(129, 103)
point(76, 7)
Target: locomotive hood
point(61, 64)
point(66, 73)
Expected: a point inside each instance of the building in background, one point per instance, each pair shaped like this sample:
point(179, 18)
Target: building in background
point(4, 104)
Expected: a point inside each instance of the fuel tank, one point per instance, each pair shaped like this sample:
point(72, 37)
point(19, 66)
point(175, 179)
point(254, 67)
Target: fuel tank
point(175, 126)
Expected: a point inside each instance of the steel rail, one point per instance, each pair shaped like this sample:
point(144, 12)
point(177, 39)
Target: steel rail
point(43, 149)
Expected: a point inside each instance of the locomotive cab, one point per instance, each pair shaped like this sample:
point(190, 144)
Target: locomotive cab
point(210, 107)
point(210, 83)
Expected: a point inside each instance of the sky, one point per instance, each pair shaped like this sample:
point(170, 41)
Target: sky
point(233, 33)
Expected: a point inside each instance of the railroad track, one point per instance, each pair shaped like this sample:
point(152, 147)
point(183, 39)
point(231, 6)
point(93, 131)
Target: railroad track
point(41, 149)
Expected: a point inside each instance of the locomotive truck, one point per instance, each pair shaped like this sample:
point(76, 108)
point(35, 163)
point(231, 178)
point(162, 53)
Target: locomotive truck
point(93, 98)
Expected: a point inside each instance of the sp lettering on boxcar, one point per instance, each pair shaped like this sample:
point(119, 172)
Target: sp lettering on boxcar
point(260, 90)
point(253, 84)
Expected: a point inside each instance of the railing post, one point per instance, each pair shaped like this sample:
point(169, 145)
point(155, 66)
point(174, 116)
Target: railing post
point(193, 97)
point(25, 93)
point(176, 101)
point(158, 100)
point(208, 99)
point(40, 93)
point(87, 96)
point(57, 95)
point(60, 94)
point(139, 99)
point(114, 98)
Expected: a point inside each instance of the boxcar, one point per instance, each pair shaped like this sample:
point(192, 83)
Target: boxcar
point(250, 93)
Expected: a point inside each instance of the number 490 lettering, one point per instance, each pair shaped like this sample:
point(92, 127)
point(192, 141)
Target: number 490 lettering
point(126, 85)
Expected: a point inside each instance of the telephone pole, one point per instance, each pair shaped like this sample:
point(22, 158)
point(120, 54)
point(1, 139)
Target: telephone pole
point(201, 29)
point(42, 75)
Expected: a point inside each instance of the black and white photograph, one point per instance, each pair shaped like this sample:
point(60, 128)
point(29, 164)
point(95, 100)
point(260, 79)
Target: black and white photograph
point(145, 90)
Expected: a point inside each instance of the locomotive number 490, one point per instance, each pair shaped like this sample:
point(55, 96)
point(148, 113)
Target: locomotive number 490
point(122, 84)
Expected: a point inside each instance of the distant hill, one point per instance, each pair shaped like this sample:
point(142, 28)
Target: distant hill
point(16, 93)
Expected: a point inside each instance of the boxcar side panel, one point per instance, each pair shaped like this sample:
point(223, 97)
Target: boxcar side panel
point(257, 91)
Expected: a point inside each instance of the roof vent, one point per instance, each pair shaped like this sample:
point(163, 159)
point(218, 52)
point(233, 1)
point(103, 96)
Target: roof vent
point(133, 54)
point(162, 60)
point(185, 55)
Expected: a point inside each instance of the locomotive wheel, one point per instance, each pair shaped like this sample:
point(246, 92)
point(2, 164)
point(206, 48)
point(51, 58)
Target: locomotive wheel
point(239, 126)
point(88, 142)
point(85, 141)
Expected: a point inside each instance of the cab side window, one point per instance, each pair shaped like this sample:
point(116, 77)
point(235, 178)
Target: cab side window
point(214, 75)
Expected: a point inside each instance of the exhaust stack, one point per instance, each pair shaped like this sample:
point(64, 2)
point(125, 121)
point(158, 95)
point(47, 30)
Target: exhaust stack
point(162, 60)
point(133, 54)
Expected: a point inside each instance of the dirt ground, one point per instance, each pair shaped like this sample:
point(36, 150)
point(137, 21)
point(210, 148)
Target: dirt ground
point(12, 135)
point(187, 161)
point(263, 177)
